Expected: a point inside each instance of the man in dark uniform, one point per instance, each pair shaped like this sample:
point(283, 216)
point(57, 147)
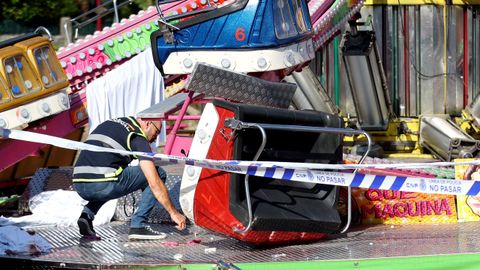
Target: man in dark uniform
point(101, 176)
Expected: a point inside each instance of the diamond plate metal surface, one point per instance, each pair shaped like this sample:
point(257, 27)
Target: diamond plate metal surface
point(361, 243)
point(230, 85)
point(46, 179)
point(50, 179)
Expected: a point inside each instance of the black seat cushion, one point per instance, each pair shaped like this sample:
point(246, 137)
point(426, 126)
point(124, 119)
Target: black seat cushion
point(280, 205)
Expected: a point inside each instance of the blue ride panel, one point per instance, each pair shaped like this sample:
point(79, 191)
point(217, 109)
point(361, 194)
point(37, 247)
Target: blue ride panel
point(244, 25)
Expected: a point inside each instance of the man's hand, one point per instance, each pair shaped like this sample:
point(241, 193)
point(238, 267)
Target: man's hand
point(180, 219)
point(160, 192)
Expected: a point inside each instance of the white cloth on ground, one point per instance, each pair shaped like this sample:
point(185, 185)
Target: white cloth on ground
point(58, 208)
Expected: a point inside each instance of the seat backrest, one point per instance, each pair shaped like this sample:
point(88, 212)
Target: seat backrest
point(276, 204)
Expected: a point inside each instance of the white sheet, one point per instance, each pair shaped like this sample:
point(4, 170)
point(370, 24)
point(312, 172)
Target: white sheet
point(58, 208)
point(130, 88)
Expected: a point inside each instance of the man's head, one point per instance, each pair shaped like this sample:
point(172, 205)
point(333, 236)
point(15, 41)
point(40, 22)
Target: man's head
point(151, 129)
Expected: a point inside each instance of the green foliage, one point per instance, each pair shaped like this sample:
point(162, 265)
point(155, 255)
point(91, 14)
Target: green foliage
point(38, 12)
point(18, 16)
point(144, 4)
point(135, 7)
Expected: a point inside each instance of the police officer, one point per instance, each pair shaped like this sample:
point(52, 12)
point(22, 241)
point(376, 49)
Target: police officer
point(101, 176)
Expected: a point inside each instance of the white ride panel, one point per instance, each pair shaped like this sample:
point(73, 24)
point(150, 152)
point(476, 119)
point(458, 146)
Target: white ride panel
point(199, 149)
point(242, 60)
point(35, 110)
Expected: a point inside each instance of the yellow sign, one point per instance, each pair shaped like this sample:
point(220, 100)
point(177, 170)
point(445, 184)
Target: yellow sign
point(397, 207)
point(468, 207)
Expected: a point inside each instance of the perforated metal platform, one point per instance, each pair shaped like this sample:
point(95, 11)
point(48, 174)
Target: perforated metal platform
point(115, 251)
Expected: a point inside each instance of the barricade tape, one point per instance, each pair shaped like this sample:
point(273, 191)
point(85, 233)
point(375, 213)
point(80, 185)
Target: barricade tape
point(290, 171)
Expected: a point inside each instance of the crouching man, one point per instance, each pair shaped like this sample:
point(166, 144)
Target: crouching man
point(101, 176)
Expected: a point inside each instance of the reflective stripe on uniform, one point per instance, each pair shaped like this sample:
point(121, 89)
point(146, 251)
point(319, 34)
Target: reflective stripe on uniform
point(131, 133)
point(139, 127)
point(128, 141)
point(93, 170)
point(107, 140)
point(115, 173)
point(78, 180)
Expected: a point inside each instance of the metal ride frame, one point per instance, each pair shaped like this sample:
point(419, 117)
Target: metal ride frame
point(180, 103)
point(98, 12)
point(235, 125)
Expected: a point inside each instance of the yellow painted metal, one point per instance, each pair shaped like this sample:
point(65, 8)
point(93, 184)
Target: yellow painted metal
point(412, 155)
point(41, 53)
point(467, 123)
point(420, 2)
point(4, 93)
point(445, 60)
point(402, 133)
point(409, 136)
point(20, 70)
point(19, 75)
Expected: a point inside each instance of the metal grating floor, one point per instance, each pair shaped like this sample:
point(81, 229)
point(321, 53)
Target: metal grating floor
point(114, 250)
